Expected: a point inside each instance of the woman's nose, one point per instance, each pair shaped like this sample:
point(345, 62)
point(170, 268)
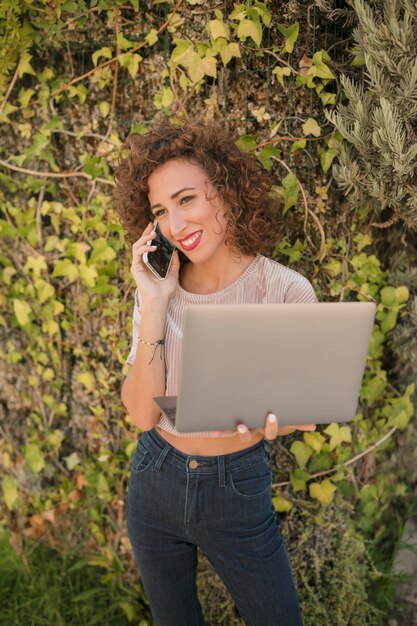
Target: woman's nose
point(177, 225)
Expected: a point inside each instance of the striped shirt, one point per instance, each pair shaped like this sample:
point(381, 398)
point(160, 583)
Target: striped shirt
point(263, 281)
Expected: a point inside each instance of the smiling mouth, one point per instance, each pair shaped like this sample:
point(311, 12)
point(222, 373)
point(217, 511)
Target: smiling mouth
point(192, 242)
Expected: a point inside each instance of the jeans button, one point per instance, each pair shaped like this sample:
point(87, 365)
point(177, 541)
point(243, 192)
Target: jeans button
point(193, 464)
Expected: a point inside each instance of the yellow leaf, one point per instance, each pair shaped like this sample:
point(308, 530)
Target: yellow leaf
point(10, 492)
point(103, 52)
point(104, 108)
point(310, 127)
point(314, 440)
point(281, 504)
point(21, 310)
point(323, 492)
point(250, 28)
point(87, 379)
point(217, 28)
point(24, 66)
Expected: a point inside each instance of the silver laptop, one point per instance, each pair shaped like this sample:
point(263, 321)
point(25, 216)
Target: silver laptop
point(303, 362)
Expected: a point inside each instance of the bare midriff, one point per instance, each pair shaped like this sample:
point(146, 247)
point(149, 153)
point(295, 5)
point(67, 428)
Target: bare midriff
point(207, 446)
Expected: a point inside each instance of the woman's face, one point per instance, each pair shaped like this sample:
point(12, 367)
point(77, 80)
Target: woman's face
point(178, 192)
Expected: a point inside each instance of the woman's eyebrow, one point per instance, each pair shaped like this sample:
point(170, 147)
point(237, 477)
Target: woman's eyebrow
point(174, 195)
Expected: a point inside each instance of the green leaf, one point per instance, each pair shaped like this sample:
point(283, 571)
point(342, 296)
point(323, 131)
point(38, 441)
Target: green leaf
point(291, 35)
point(338, 434)
point(291, 190)
point(263, 12)
point(246, 142)
point(310, 127)
point(66, 269)
point(314, 440)
point(152, 37)
point(123, 43)
point(321, 69)
point(250, 28)
point(298, 479)
point(266, 154)
point(323, 492)
point(280, 72)
point(10, 492)
point(24, 66)
point(402, 294)
point(88, 275)
point(326, 158)
point(87, 379)
point(320, 462)
point(21, 310)
point(217, 28)
point(373, 388)
point(388, 296)
point(298, 145)
point(34, 458)
point(302, 453)
point(281, 504)
point(72, 460)
point(131, 62)
point(103, 52)
point(24, 97)
point(104, 108)
point(388, 320)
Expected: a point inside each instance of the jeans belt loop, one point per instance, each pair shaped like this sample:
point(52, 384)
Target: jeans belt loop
point(222, 473)
point(161, 457)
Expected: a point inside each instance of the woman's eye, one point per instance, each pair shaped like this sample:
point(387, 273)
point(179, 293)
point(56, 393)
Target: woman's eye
point(159, 213)
point(186, 198)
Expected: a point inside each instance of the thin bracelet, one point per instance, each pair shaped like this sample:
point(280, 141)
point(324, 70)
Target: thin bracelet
point(159, 342)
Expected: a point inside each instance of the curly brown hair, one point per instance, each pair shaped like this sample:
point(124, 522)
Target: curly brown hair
point(240, 180)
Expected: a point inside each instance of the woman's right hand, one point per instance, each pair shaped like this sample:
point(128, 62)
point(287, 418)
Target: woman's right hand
point(151, 288)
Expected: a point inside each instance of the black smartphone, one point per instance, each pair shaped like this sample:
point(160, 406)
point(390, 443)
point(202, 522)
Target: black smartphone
point(160, 260)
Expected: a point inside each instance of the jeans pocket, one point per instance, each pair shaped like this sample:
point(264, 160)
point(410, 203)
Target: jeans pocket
point(142, 459)
point(252, 480)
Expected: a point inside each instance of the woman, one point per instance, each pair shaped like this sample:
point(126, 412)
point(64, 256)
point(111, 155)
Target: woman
point(210, 489)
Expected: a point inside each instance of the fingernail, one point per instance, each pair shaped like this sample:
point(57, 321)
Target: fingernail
point(272, 419)
point(242, 429)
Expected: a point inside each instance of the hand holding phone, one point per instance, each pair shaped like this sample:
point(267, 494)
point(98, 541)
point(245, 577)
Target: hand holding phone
point(159, 261)
point(150, 284)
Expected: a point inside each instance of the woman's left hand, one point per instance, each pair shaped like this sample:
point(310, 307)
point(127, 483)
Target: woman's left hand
point(270, 431)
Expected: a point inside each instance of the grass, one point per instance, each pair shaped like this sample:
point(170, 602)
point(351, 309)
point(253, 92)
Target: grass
point(54, 589)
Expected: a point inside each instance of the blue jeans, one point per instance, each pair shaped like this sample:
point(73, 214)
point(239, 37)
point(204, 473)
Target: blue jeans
point(222, 504)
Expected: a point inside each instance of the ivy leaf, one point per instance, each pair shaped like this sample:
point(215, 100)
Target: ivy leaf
point(102, 252)
point(314, 440)
point(263, 12)
point(291, 35)
point(326, 158)
point(88, 275)
point(250, 28)
point(302, 453)
point(338, 434)
point(280, 72)
point(324, 491)
point(104, 108)
point(21, 310)
point(298, 479)
point(291, 190)
point(246, 142)
point(152, 37)
point(217, 28)
point(64, 268)
point(24, 66)
point(298, 145)
point(321, 69)
point(34, 458)
point(72, 460)
point(310, 127)
point(131, 62)
point(320, 462)
point(103, 52)
point(10, 492)
point(87, 379)
point(281, 504)
point(266, 155)
point(123, 43)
